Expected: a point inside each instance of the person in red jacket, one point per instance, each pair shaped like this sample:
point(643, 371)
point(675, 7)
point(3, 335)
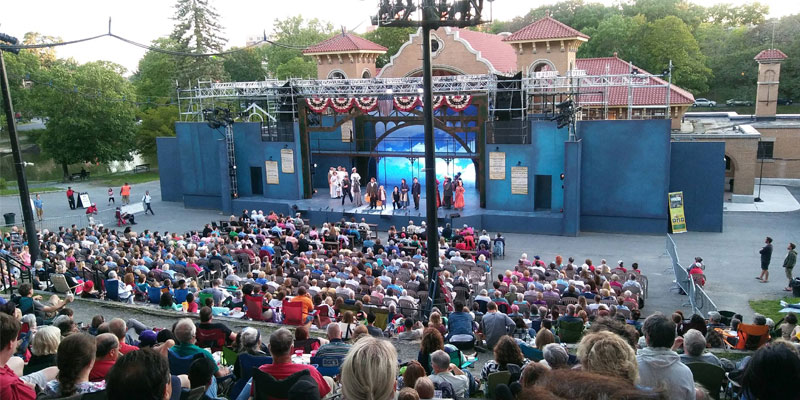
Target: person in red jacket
point(11, 387)
point(71, 197)
point(697, 270)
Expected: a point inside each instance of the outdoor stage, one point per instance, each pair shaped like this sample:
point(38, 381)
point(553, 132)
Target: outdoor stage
point(322, 208)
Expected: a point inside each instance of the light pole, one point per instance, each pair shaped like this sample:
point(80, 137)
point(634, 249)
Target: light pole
point(19, 164)
point(430, 15)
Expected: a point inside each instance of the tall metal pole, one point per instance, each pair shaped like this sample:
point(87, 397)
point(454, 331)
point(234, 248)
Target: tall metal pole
point(430, 164)
point(24, 195)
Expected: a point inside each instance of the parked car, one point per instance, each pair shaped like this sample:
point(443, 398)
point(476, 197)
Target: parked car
point(703, 102)
point(738, 103)
point(785, 102)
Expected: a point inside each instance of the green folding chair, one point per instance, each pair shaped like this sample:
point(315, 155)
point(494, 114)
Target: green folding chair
point(710, 376)
point(202, 298)
point(229, 356)
point(494, 379)
point(570, 331)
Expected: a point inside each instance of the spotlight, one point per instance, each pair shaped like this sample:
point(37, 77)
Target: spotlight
point(389, 91)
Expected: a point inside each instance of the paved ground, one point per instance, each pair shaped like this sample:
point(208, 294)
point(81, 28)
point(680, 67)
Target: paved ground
point(731, 257)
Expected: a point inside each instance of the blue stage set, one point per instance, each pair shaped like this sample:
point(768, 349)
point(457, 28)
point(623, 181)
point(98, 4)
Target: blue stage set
point(614, 177)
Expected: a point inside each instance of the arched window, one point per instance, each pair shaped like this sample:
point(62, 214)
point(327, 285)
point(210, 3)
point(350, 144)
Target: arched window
point(366, 74)
point(337, 74)
point(541, 65)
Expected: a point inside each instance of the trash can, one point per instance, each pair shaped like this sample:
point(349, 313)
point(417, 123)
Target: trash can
point(9, 217)
point(796, 287)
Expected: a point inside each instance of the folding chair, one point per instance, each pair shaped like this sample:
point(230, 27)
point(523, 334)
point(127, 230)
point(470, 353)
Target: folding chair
point(751, 337)
point(710, 376)
point(247, 364)
point(570, 331)
point(60, 284)
point(112, 289)
point(322, 318)
point(154, 294)
point(494, 379)
point(255, 307)
point(266, 387)
point(202, 296)
point(180, 295)
point(381, 318)
point(180, 365)
point(210, 338)
point(293, 313)
point(328, 365)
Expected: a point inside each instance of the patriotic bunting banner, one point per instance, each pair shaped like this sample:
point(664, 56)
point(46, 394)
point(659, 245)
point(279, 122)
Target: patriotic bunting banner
point(406, 103)
point(366, 104)
point(459, 102)
point(438, 101)
point(342, 104)
point(317, 104)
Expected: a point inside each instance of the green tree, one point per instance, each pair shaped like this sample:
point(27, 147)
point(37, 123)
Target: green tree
point(197, 30)
point(729, 15)
point(245, 66)
point(46, 55)
point(668, 39)
point(391, 38)
point(295, 34)
point(155, 122)
point(691, 14)
point(92, 123)
point(616, 34)
point(155, 79)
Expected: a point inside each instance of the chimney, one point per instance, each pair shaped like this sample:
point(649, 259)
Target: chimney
point(769, 72)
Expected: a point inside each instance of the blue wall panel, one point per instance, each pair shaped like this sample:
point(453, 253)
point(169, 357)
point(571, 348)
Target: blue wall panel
point(198, 147)
point(544, 156)
point(169, 170)
point(702, 192)
point(251, 151)
point(624, 175)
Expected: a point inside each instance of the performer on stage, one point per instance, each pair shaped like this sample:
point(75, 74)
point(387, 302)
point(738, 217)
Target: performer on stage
point(341, 174)
point(346, 189)
point(459, 203)
point(355, 183)
point(438, 197)
point(416, 190)
point(396, 202)
point(383, 197)
point(447, 188)
point(373, 193)
point(404, 193)
point(332, 181)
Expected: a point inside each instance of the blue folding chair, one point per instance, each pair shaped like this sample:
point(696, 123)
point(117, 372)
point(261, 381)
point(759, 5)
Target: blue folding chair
point(328, 365)
point(247, 363)
point(180, 365)
point(154, 294)
point(180, 295)
point(112, 289)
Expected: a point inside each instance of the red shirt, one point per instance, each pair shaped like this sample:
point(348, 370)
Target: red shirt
point(100, 370)
point(192, 307)
point(282, 371)
point(125, 348)
point(12, 388)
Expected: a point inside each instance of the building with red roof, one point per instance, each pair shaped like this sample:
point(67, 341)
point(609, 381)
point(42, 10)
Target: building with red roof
point(345, 56)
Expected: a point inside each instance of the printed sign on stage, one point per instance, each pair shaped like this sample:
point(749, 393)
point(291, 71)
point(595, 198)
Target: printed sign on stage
point(271, 170)
point(347, 131)
point(519, 180)
point(287, 161)
point(676, 216)
point(497, 165)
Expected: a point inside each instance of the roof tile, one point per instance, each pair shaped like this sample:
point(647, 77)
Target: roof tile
point(501, 55)
point(770, 54)
point(618, 95)
point(545, 28)
point(344, 42)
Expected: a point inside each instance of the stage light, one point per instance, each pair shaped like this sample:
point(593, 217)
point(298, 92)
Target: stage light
point(389, 91)
point(562, 176)
point(420, 91)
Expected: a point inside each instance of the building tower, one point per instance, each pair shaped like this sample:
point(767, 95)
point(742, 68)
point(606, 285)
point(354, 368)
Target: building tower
point(769, 72)
point(546, 45)
point(345, 56)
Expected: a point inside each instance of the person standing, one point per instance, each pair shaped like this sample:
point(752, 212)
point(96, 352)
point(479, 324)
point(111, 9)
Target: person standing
point(37, 203)
point(459, 203)
point(416, 192)
point(404, 193)
point(346, 189)
point(438, 197)
point(91, 211)
point(332, 182)
point(382, 196)
point(788, 263)
point(125, 192)
point(111, 196)
point(766, 257)
point(146, 199)
point(71, 197)
point(373, 193)
point(396, 203)
point(355, 183)
point(447, 188)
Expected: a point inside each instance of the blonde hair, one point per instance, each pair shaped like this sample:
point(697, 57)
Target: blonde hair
point(607, 353)
point(369, 370)
point(46, 341)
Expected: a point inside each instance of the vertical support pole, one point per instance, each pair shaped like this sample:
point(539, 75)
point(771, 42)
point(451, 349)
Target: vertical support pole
point(19, 165)
point(430, 167)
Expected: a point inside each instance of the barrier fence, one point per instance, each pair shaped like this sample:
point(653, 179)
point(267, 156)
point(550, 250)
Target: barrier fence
point(699, 300)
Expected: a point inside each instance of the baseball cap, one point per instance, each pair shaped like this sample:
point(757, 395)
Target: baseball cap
point(147, 338)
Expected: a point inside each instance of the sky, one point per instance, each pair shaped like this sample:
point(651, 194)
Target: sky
point(145, 20)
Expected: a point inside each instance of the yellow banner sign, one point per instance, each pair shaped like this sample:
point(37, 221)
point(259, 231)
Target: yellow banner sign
point(676, 215)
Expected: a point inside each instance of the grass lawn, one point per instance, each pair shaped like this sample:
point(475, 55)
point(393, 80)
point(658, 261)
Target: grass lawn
point(130, 177)
point(15, 191)
point(770, 308)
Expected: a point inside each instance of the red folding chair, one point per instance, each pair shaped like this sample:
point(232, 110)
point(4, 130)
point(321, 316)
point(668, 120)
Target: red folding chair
point(323, 319)
point(255, 307)
point(293, 313)
point(751, 337)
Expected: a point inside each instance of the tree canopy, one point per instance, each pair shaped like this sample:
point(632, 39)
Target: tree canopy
point(197, 30)
point(294, 34)
point(391, 38)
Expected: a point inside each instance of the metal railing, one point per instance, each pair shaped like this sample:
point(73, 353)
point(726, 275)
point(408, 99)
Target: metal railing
point(699, 300)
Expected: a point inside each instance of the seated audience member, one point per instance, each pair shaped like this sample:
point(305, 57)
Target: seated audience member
point(280, 347)
point(531, 374)
point(772, 372)
point(432, 340)
point(788, 326)
point(460, 325)
point(444, 371)
point(119, 328)
point(694, 349)
point(371, 328)
point(303, 341)
point(185, 337)
point(335, 346)
point(207, 324)
point(407, 393)
point(201, 373)
point(413, 372)
point(506, 351)
point(576, 384)
point(659, 366)
point(11, 386)
point(425, 388)
point(555, 356)
point(105, 356)
point(369, 370)
point(44, 346)
point(144, 371)
point(409, 331)
point(607, 353)
point(76, 355)
point(495, 325)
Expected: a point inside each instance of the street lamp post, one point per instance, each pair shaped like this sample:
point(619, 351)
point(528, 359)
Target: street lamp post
point(430, 15)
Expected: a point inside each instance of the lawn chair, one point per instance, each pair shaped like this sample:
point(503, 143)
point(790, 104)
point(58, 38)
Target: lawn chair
point(494, 379)
point(180, 295)
point(247, 363)
point(570, 331)
point(323, 319)
point(229, 356)
point(381, 318)
point(328, 365)
point(210, 338)
point(202, 296)
point(255, 307)
point(180, 365)
point(154, 295)
point(266, 387)
point(751, 337)
point(293, 313)
point(710, 376)
point(112, 289)
point(60, 284)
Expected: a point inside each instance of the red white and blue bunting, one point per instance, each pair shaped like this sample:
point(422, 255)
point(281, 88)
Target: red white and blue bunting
point(366, 104)
point(317, 104)
point(406, 103)
point(459, 102)
point(342, 104)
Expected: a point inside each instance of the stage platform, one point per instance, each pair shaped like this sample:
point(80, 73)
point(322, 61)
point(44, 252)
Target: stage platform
point(322, 208)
